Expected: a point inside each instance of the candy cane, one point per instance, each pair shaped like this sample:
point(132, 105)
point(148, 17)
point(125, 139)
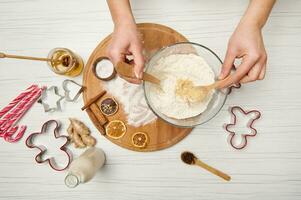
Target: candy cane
point(16, 100)
point(20, 133)
point(19, 111)
point(17, 108)
point(10, 131)
point(18, 136)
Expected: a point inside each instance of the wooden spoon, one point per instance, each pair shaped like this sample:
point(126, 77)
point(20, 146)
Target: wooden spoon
point(189, 158)
point(3, 55)
point(199, 93)
point(127, 71)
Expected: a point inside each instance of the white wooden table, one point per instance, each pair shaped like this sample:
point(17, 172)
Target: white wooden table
point(269, 168)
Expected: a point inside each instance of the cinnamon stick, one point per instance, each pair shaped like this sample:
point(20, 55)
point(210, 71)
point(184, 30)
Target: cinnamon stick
point(95, 120)
point(94, 99)
point(98, 114)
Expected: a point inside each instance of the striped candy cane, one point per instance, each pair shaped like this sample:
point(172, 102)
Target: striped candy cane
point(18, 136)
point(19, 111)
point(16, 100)
point(12, 130)
point(16, 109)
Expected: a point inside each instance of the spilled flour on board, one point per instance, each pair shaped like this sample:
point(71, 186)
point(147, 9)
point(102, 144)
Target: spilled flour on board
point(131, 96)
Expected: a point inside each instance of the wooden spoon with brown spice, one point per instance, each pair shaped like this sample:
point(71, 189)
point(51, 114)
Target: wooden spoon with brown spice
point(189, 158)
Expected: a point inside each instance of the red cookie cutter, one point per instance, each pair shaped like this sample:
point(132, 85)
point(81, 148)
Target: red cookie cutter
point(234, 86)
point(233, 135)
point(43, 149)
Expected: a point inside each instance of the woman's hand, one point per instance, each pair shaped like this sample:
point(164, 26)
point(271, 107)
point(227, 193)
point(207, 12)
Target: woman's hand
point(126, 41)
point(245, 43)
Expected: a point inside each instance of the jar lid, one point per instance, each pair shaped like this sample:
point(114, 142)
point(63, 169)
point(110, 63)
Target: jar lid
point(71, 180)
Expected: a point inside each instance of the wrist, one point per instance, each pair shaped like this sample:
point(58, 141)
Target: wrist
point(251, 23)
point(257, 13)
point(124, 20)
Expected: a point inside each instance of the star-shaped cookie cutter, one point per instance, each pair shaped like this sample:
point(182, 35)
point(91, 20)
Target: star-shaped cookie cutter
point(39, 157)
point(44, 95)
point(250, 124)
point(67, 91)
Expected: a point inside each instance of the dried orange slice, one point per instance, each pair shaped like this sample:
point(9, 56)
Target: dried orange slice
point(115, 129)
point(140, 139)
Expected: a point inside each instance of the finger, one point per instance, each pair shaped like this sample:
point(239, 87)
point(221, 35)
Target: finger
point(253, 74)
point(228, 63)
point(138, 61)
point(115, 55)
point(240, 72)
point(262, 73)
point(263, 70)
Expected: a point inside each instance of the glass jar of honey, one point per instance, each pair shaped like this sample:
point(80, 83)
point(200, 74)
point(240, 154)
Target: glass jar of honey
point(65, 62)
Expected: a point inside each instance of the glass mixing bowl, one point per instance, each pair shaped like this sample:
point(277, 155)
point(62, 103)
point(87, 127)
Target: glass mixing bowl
point(218, 97)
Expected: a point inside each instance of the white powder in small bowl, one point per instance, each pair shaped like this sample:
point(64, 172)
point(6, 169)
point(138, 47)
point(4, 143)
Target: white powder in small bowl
point(175, 67)
point(104, 69)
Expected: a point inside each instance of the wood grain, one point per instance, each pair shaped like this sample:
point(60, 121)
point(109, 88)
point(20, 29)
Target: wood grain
point(269, 168)
point(161, 134)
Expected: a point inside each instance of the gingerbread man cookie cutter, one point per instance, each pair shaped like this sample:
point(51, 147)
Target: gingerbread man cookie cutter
point(51, 161)
point(250, 125)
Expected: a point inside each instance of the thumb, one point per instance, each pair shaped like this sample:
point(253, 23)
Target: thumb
point(241, 71)
point(138, 62)
point(228, 64)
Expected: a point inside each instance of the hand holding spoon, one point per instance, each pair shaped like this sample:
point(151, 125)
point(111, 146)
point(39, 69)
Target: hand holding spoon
point(189, 158)
point(127, 71)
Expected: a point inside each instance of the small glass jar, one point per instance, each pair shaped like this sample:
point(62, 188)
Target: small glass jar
point(84, 168)
point(65, 62)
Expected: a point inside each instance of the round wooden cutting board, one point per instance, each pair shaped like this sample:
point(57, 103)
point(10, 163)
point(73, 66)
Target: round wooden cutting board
point(161, 135)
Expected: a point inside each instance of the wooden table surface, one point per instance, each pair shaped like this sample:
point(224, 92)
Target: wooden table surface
point(267, 169)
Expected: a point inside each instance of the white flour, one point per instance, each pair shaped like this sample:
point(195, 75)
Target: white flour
point(104, 69)
point(131, 96)
point(169, 70)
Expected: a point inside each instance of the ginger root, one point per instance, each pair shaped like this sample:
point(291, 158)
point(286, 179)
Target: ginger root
point(79, 134)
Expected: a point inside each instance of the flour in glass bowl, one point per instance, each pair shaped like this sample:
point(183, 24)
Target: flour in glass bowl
point(176, 67)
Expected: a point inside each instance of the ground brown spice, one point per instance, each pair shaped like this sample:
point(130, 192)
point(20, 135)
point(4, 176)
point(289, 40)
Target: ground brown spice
point(188, 157)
